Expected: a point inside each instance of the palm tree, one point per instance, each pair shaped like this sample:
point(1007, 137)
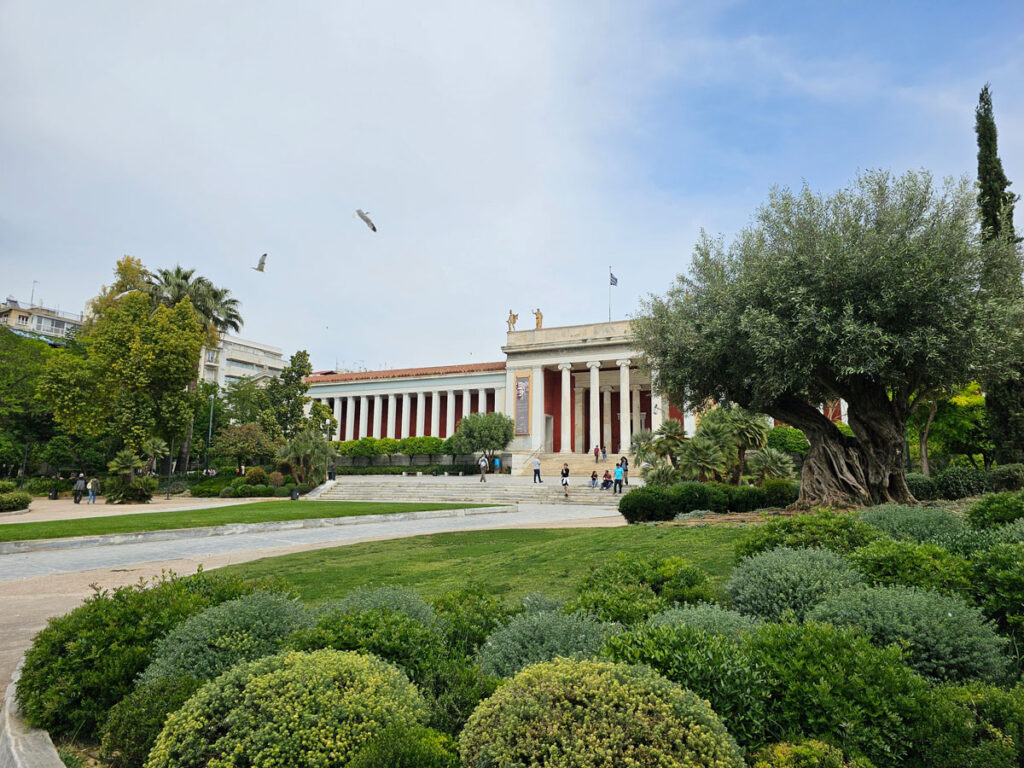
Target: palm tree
point(307, 452)
point(769, 463)
point(660, 474)
point(751, 433)
point(669, 439)
point(155, 448)
point(125, 462)
point(702, 457)
point(717, 427)
point(642, 446)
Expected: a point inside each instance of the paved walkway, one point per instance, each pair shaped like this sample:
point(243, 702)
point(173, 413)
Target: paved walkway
point(37, 585)
point(45, 510)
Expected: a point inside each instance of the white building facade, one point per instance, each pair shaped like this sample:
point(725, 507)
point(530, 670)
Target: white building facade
point(236, 358)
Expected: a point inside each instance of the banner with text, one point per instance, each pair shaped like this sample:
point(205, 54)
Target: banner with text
point(523, 404)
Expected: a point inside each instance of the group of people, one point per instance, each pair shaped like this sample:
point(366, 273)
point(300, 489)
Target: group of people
point(613, 479)
point(81, 487)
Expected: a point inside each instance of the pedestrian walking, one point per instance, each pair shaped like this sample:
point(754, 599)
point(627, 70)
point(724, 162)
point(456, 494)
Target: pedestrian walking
point(565, 479)
point(618, 479)
point(482, 463)
point(79, 488)
point(604, 454)
point(597, 452)
point(93, 486)
point(536, 470)
point(625, 470)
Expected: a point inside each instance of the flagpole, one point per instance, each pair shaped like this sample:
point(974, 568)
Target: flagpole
point(609, 293)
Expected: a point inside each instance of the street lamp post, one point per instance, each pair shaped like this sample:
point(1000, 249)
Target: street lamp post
point(170, 465)
point(209, 436)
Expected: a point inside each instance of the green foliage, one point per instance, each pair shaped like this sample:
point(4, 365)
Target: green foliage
point(645, 504)
point(256, 476)
point(132, 725)
point(14, 500)
point(837, 531)
point(631, 588)
point(250, 715)
point(771, 463)
point(137, 491)
point(467, 616)
point(567, 713)
point(996, 509)
point(542, 636)
point(923, 487)
point(708, 617)
point(6, 486)
point(960, 482)
point(660, 474)
point(227, 492)
point(415, 747)
point(85, 661)
point(713, 666)
point(771, 584)
point(244, 443)
point(1007, 477)
point(387, 598)
point(286, 397)
point(215, 640)
point(780, 492)
point(308, 452)
point(807, 753)
point(648, 504)
point(126, 463)
point(788, 440)
point(906, 563)
point(487, 433)
point(834, 685)
point(944, 638)
point(702, 457)
point(275, 479)
point(999, 585)
point(921, 524)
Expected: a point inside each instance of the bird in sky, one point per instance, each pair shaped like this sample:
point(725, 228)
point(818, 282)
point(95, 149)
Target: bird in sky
point(263, 262)
point(365, 216)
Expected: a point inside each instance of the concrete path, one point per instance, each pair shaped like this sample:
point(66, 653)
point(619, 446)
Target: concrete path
point(45, 510)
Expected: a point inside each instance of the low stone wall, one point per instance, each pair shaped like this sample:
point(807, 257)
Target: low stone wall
point(20, 745)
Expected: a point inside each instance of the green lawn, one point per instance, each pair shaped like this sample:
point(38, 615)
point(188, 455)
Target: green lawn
point(257, 512)
point(511, 563)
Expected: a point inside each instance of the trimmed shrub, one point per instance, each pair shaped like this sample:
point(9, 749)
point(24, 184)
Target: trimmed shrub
point(999, 585)
point(996, 509)
point(923, 487)
point(6, 486)
point(780, 493)
point(398, 599)
point(913, 523)
point(771, 584)
point(837, 531)
point(960, 482)
point(416, 747)
point(714, 667)
point(250, 714)
point(243, 490)
point(12, 501)
point(808, 753)
point(466, 617)
point(744, 498)
point(256, 476)
point(976, 725)
point(209, 643)
point(131, 727)
point(888, 562)
point(283, 492)
point(1007, 477)
point(945, 639)
point(642, 505)
point(632, 588)
point(87, 660)
point(1011, 533)
point(566, 713)
point(706, 616)
point(275, 479)
point(535, 637)
point(227, 492)
point(210, 487)
point(686, 497)
point(788, 440)
point(832, 684)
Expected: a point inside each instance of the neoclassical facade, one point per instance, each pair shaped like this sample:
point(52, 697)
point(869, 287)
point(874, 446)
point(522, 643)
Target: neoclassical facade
point(567, 389)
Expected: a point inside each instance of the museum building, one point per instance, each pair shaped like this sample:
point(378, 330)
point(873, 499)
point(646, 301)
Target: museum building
point(567, 389)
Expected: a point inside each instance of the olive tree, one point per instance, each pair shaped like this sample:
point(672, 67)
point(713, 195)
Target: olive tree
point(873, 294)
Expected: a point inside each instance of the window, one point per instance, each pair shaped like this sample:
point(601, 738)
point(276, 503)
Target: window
point(22, 319)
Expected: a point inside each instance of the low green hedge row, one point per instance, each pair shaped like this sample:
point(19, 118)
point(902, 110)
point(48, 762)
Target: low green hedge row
point(430, 469)
point(14, 500)
point(646, 504)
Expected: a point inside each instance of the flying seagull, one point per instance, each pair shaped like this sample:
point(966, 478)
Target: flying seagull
point(263, 262)
point(365, 216)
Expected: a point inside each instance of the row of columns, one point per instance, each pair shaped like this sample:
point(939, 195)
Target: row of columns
point(407, 429)
point(629, 403)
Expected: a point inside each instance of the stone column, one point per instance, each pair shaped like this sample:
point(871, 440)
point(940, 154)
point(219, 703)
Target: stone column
point(467, 401)
point(337, 414)
point(450, 414)
point(391, 415)
point(421, 412)
point(364, 414)
point(636, 407)
point(499, 401)
point(624, 420)
point(689, 422)
point(566, 415)
point(510, 393)
point(406, 407)
point(482, 396)
point(538, 427)
point(606, 419)
point(350, 417)
point(657, 410)
point(580, 447)
point(377, 415)
point(435, 414)
point(595, 405)
point(308, 405)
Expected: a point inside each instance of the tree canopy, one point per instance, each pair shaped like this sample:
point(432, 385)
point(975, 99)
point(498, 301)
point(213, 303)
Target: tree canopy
point(872, 294)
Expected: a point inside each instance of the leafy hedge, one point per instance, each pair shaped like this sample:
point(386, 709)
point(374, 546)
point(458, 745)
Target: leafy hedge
point(894, 563)
point(996, 509)
point(6, 486)
point(13, 501)
point(1007, 477)
point(534, 637)
point(708, 617)
point(650, 504)
point(960, 482)
point(429, 469)
point(837, 531)
point(132, 725)
point(923, 487)
point(788, 440)
point(922, 524)
point(806, 753)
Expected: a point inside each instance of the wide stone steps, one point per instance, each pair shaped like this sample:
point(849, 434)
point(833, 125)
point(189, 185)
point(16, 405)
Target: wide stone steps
point(580, 465)
point(499, 489)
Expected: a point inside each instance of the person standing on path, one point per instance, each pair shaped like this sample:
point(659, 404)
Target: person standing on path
point(604, 454)
point(625, 470)
point(79, 488)
point(536, 470)
point(565, 479)
point(597, 452)
point(482, 463)
point(92, 486)
point(618, 479)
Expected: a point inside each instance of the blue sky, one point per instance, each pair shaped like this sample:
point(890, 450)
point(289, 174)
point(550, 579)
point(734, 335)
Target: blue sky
point(509, 151)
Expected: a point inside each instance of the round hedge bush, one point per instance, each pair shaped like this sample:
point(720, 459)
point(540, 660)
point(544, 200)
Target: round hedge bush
point(213, 641)
point(311, 709)
point(945, 639)
point(13, 501)
point(773, 583)
point(535, 637)
point(960, 482)
point(707, 616)
point(398, 599)
point(890, 563)
point(1008, 477)
point(836, 531)
point(996, 509)
point(227, 492)
point(714, 667)
point(567, 714)
point(833, 684)
point(920, 524)
point(132, 725)
point(923, 487)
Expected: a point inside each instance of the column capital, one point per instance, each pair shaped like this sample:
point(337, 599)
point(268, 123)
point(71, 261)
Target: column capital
point(593, 365)
point(636, 387)
point(578, 391)
point(565, 366)
point(607, 388)
point(621, 363)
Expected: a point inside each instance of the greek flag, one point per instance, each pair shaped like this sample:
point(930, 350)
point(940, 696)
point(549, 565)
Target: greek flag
point(612, 279)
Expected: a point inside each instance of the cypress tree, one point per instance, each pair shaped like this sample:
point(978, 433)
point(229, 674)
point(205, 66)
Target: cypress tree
point(1004, 400)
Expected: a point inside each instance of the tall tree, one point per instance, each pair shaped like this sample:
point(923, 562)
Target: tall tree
point(872, 295)
point(287, 394)
point(1004, 397)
